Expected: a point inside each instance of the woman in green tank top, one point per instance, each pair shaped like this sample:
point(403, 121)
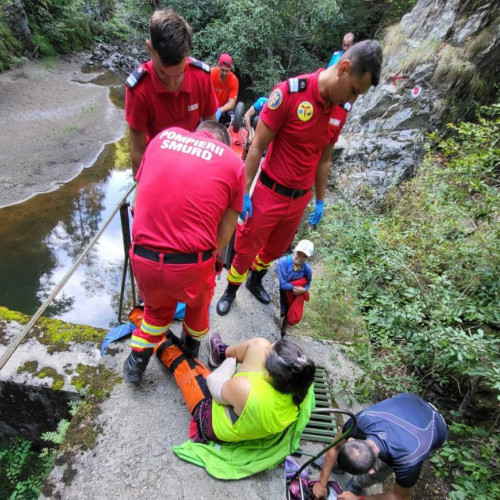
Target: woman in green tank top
point(261, 398)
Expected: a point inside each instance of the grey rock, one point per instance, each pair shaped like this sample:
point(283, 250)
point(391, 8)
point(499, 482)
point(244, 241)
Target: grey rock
point(383, 140)
point(17, 21)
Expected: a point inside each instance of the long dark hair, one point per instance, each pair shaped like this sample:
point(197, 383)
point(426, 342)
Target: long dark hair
point(290, 370)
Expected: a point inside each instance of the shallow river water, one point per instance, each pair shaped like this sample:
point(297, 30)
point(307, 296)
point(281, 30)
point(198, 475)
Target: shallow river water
point(42, 238)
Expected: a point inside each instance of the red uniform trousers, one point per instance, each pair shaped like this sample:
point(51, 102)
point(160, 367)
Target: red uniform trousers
point(162, 286)
point(268, 233)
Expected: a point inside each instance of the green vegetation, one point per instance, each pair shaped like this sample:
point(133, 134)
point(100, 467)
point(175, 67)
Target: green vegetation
point(10, 48)
point(29, 366)
point(22, 470)
point(471, 457)
point(57, 378)
point(54, 333)
point(58, 26)
point(269, 40)
point(417, 291)
point(424, 52)
point(413, 294)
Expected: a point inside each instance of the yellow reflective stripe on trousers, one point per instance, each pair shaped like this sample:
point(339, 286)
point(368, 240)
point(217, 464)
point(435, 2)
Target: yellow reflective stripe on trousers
point(235, 277)
point(139, 343)
point(194, 333)
point(153, 330)
point(259, 265)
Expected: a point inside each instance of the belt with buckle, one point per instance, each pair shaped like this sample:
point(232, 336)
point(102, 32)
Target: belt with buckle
point(172, 258)
point(278, 188)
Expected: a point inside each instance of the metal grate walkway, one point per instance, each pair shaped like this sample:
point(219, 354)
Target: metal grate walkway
point(321, 427)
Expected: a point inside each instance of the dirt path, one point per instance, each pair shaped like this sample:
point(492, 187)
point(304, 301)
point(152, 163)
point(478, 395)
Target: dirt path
point(54, 123)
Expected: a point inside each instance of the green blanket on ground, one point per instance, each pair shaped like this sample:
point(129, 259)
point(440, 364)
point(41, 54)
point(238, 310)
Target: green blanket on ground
point(238, 460)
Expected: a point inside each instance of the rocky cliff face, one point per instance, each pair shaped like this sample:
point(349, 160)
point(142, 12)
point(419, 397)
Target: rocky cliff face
point(15, 17)
point(443, 56)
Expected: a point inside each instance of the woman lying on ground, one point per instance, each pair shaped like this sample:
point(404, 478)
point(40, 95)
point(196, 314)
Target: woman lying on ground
point(261, 399)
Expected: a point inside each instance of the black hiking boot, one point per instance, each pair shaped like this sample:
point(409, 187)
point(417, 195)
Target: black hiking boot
point(254, 284)
point(135, 364)
point(224, 304)
point(191, 344)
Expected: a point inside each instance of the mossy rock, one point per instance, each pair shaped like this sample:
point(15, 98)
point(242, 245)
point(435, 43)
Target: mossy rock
point(29, 366)
point(98, 382)
point(55, 334)
point(11, 49)
point(58, 379)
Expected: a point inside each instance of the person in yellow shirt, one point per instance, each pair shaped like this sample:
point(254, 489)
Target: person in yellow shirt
point(260, 398)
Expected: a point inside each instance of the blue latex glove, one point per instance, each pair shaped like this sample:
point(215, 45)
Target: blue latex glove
point(315, 217)
point(217, 114)
point(247, 208)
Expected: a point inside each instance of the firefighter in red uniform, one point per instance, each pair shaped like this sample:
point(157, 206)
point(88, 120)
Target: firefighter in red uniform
point(190, 191)
point(169, 90)
point(300, 123)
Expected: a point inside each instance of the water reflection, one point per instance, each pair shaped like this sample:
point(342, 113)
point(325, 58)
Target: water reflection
point(43, 237)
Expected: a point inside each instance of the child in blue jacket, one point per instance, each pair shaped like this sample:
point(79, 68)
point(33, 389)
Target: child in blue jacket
point(295, 277)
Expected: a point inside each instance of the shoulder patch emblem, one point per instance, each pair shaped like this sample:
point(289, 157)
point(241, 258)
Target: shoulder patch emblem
point(199, 64)
point(297, 84)
point(135, 76)
point(305, 111)
point(275, 99)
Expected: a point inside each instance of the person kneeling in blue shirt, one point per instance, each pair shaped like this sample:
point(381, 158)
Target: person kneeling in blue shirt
point(396, 435)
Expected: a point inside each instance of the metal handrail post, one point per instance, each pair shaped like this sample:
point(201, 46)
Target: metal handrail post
point(15, 344)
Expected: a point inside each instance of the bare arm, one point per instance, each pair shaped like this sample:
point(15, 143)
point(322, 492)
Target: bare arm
point(320, 488)
point(397, 493)
point(248, 123)
point(137, 148)
point(322, 173)
point(235, 392)
point(211, 117)
point(230, 104)
point(226, 228)
point(263, 136)
point(251, 354)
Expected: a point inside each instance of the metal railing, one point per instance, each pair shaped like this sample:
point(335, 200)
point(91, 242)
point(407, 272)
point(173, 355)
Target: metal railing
point(15, 344)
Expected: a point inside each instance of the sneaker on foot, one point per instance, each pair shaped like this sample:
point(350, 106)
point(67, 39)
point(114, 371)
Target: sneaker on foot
point(215, 356)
